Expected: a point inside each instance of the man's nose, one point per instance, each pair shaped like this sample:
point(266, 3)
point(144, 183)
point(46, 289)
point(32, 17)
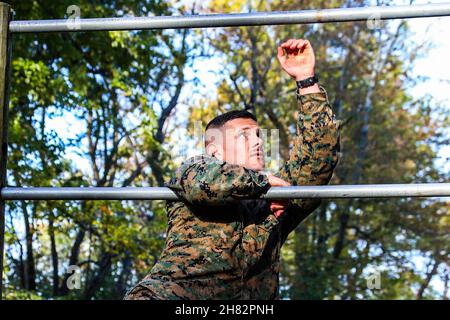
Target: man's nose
point(257, 141)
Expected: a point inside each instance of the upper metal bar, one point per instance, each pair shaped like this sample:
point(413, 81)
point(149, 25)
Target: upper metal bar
point(161, 193)
point(233, 19)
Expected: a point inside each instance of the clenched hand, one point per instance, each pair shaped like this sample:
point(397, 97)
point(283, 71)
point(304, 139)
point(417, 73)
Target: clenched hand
point(297, 58)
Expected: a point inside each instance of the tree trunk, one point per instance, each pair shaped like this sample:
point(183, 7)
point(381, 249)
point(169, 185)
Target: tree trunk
point(121, 286)
point(54, 253)
point(104, 267)
point(73, 260)
point(30, 268)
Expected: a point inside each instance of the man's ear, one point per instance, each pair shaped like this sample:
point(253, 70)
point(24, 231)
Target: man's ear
point(214, 140)
point(213, 150)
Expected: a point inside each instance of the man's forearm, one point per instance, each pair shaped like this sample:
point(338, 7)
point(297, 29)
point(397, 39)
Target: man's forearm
point(316, 145)
point(314, 155)
point(313, 89)
point(208, 181)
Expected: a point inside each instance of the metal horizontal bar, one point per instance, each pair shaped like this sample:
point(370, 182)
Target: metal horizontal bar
point(161, 193)
point(233, 19)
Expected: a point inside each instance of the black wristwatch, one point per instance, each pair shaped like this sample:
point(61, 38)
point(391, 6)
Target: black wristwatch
point(308, 82)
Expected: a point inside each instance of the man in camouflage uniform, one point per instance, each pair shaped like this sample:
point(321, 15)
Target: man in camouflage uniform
point(220, 243)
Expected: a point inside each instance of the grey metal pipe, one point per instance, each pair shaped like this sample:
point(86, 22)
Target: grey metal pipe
point(234, 19)
point(161, 193)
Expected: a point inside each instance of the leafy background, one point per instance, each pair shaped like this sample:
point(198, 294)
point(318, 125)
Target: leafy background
point(120, 108)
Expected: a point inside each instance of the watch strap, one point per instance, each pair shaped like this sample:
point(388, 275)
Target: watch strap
point(308, 82)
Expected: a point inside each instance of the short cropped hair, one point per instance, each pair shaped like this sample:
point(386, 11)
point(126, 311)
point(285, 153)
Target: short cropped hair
point(220, 120)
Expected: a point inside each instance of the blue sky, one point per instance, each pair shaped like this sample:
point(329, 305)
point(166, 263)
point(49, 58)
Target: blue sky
point(436, 65)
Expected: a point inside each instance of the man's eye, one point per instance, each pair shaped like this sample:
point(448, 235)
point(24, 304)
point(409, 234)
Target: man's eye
point(243, 134)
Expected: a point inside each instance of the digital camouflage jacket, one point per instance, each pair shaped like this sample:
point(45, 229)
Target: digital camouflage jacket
point(220, 244)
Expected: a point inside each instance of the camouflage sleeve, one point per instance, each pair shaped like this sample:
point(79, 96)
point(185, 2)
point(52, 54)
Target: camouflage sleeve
point(313, 157)
point(205, 180)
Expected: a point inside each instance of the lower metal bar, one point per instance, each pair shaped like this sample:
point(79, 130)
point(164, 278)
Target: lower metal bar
point(298, 192)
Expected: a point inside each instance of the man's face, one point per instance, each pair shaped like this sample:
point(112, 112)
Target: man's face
point(240, 143)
